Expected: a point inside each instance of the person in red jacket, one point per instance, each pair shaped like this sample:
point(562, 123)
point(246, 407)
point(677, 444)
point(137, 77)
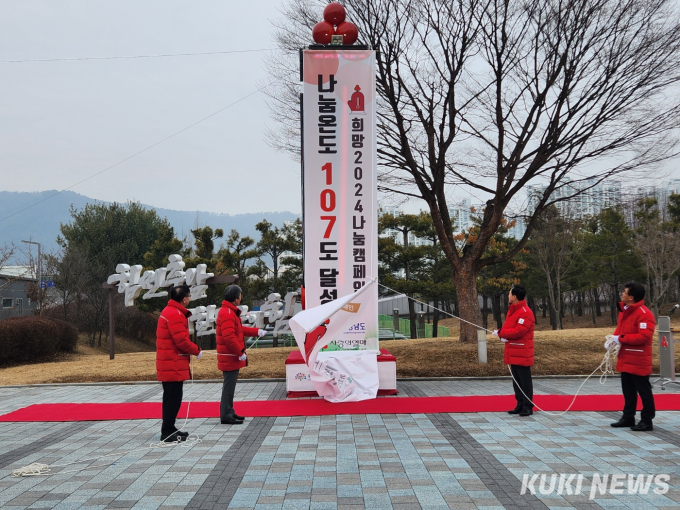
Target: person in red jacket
point(634, 333)
point(231, 350)
point(173, 348)
point(518, 335)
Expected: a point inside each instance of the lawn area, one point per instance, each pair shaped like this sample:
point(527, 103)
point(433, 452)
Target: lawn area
point(568, 352)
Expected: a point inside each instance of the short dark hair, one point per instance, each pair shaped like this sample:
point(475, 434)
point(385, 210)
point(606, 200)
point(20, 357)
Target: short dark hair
point(519, 292)
point(232, 293)
point(179, 293)
point(636, 291)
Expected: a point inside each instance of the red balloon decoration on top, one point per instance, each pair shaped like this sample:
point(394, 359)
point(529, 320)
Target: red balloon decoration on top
point(322, 32)
point(349, 31)
point(334, 13)
point(334, 24)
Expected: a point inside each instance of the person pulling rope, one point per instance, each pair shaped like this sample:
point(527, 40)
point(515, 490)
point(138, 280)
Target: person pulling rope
point(605, 368)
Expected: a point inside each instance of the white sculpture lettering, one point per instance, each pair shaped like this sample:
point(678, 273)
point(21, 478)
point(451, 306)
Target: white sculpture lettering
point(128, 282)
point(131, 281)
point(195, 278)
point(204, 319)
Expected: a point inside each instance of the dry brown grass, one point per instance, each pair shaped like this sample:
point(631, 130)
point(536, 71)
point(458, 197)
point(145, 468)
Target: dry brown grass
point(567, 352)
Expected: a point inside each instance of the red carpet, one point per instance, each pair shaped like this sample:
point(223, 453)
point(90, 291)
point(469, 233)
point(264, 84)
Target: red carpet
point(318, 407)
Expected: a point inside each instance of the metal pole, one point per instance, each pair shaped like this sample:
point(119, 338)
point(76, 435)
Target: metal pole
point(40, 310)
point(666, 352)
point(481, 346)
point(395, 322)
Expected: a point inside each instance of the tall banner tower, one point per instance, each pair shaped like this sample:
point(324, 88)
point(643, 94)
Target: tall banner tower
point(340, 185)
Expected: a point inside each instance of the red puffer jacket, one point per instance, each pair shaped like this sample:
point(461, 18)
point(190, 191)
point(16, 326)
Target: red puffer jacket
point(519, 331)
point(230, 341)
point(173, 344)
point(635, 330)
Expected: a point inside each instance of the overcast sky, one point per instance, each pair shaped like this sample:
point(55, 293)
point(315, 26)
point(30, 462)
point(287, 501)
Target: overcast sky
point(64, 121)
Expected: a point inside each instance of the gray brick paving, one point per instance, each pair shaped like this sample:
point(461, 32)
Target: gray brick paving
point(154, 393)
point(222, 483)
point(62, 431)
point(494, 475)
point(472, 460)
point(667, 436)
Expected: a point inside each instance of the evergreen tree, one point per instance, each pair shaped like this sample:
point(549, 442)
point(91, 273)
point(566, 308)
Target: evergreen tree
point(98, 238)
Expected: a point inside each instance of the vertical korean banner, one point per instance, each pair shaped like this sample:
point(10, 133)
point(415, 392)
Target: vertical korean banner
point(340, 185)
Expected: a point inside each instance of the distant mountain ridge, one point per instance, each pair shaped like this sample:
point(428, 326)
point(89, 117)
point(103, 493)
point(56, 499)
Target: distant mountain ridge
point(41, 222)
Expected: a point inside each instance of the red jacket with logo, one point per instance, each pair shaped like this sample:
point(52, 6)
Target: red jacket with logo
point(519, 331)
point(173, 344)
point(230, 337)
point(635, 330)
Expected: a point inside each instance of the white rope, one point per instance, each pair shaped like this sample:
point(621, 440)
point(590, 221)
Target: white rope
point(439, 310)
point(38, 469)
point(605, 367)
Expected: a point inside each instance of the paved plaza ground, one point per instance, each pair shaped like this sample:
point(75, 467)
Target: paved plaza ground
point(409, 461)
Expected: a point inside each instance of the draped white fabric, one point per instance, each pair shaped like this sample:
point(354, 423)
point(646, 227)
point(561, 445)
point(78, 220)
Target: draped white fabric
point(346, 375)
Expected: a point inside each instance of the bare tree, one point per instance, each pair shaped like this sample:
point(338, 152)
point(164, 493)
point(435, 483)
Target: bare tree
point(551, 248)
point(499, 95)
point(657, 241)
point(6, 253)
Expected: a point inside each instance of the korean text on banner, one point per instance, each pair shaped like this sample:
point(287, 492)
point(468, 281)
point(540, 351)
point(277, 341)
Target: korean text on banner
point(340, 187)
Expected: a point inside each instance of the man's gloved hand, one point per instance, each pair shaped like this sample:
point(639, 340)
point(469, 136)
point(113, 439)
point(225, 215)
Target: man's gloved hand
point(495, 332)
point(611, 340)
point(261, 333)
point(242, 357)
point(504, 340)
point(200, 355)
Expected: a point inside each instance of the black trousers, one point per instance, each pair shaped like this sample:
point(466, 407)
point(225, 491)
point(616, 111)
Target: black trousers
point(632, 386)
point(172, 401)
point(228, 389)
point(522, 375)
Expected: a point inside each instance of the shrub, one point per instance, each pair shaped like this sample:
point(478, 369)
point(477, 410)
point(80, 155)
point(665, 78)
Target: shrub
point(27, 339)
point(67, 339)
point(72, 313)
point(130, 322)
point(134, 323)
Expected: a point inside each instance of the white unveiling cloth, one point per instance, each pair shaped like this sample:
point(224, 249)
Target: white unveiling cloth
point(338, 376)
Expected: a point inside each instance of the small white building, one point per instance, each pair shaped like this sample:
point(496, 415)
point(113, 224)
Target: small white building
point(15, 283)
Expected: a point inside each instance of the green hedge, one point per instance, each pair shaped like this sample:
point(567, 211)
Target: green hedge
point(67, 338)
point(29, 339)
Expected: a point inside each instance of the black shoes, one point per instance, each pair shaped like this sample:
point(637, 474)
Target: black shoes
point(521, 411)
point(237, 417)
point(643, 426)
point(624, 423)
point(231, 421)
point(175, 437)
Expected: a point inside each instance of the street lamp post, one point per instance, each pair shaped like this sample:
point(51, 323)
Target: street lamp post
point(39, 270)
